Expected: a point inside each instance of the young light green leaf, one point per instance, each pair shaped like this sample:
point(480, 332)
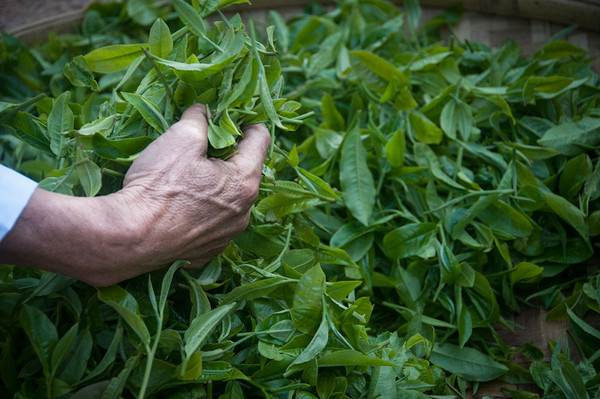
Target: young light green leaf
point(333, 118)
point(425, 131)
point(263, 85)
point(351, 358)
point(395, 149)
point(149, 111)
point(79, 73)
point(160, 42)
point(194, 71)
point(90, 176)
point(113, 58)
point(60, 121)
point(256, 289)
point(142, 11)
point(379, 66)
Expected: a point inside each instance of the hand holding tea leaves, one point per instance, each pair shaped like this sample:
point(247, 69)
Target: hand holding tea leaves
point(176, 204)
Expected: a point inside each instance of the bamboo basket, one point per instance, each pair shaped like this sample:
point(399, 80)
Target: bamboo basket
point(530, 23)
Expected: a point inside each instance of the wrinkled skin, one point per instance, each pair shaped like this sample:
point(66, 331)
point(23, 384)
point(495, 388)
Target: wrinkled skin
point(175, 204)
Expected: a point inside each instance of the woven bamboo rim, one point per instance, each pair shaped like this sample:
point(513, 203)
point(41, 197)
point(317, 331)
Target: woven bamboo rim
point(584, 13)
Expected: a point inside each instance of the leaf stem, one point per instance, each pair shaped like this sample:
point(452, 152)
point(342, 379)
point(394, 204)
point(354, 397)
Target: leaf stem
point(162, 78)
point(111, 172)
point(459, 199)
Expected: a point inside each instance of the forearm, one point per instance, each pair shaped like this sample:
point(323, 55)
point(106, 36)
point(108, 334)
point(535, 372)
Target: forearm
point(84, 238)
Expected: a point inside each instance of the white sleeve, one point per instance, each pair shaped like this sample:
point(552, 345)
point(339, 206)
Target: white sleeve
point(15, 192)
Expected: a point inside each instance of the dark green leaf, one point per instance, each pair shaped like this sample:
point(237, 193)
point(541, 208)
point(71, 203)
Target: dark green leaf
point(355, 177)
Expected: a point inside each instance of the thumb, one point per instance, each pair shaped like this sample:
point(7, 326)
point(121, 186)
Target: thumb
point(185, 141)
point(191, 132)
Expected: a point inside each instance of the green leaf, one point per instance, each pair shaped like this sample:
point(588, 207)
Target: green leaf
point(465, 326)
point(410, 240)
point(569, 380)
point(332, 116)
point(41, 333)
point(355, 177)
point(90, 177)
point(573, 138)
point(525, 272)
point(574, 175)
point(113, 58)
point(395, 149)
point(548, 87)
point(62, 347)
point(256, 289)
point(142, 11)
point(244, 89)
point(594, 224)
point(457, 116)
point(317, 343)
point(467, 363)
point(382, 68)
point(193, 71)
point(318, 185)
point(190, 17)
point(413, 12)
point(149, 111)
point(560, 49)
point(351, 358)
point(586, 332)
point(281, 30)
point(569, 213)
point(160, 42)
point(78, 355)
point(109, 356)
point(310, 288)
point(504, 219)
point(79, 73)
point(115, 149)
point(99, 125)
point(60, 121)
point(25, 128)
point(425, 131)
point(202, 326)
point(127, 307)
point(263, 85)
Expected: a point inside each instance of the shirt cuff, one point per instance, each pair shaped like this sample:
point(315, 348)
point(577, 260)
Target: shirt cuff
point(15, 192)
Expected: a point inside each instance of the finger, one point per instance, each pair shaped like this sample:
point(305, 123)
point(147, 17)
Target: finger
point(191, 131)
point(252, 150)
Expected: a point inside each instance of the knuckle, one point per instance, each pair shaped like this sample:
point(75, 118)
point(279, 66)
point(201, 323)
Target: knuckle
point(246, 190)
point(249, 189)
point(242, 223)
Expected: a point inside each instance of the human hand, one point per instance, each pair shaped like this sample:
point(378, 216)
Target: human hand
point(189, 206)
point(175, 204)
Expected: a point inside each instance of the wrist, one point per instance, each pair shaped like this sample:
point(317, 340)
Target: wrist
point(91, 239)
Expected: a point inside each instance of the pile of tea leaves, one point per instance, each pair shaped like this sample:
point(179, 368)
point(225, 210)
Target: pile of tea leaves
point(416, 196)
